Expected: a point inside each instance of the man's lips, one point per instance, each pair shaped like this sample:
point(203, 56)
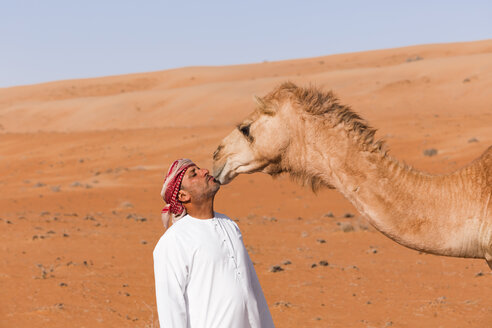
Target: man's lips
point(212, 178)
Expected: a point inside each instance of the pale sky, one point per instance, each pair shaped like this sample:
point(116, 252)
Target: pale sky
point(48, 40)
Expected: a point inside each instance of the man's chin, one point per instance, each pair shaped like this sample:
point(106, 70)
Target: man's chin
point(215, 187)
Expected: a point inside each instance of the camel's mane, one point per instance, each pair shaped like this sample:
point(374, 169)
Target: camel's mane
point(325, 105)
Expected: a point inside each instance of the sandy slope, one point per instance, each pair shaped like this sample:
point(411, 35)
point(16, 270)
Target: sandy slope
point(81, 164)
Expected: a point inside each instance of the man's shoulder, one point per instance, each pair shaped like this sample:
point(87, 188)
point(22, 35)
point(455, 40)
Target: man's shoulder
point(166, 240)
point(171, 237)
point(224, 217)
point(221, 216)
point(227, 219)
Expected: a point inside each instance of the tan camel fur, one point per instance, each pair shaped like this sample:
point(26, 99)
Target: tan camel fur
point(308, 134)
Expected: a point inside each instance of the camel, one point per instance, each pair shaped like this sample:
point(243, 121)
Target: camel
point(309, 135)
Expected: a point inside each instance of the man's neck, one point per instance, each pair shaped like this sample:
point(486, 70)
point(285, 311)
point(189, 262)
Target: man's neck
point(202, 211)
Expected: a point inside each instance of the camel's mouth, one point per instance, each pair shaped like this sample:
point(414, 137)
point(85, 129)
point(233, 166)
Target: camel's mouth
point(228, 171)
point(218, 175)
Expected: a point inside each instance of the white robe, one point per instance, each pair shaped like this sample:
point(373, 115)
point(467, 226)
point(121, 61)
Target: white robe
point(205, 278)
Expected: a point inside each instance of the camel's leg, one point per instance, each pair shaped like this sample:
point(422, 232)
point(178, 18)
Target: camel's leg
point(488, 258)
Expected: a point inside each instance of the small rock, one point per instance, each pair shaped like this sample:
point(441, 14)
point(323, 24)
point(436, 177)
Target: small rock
point(271, 219)
point(414, 58)
point(62, 284)
point(441, 299)
point(39, 184)
point(76, 184)
point(430, 152)
point(480, 274)
point(276, 268)
point(348, 215)
point(346, 227)
point(286, 262)
point(143, 242)
point(66, 235)
point(466, 80)
point(329, 215)
point(314, 265)
point(282, 303)
point(304, 234)
point(55, 188)
point(472, 140)
point(126, 204)
point(321, 241)
point(323, 263)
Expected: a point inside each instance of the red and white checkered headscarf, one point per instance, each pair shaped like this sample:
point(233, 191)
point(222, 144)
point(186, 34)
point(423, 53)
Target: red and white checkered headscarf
point(174, 210)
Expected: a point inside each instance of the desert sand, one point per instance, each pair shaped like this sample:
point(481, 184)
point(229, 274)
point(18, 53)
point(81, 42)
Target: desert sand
point(82, 163)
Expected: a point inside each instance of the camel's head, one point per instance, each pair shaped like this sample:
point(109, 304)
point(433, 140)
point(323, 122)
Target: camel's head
point(302, 131)
point(258, 143)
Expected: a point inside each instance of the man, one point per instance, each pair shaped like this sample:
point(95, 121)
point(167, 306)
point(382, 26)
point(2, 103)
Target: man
point(203, 274)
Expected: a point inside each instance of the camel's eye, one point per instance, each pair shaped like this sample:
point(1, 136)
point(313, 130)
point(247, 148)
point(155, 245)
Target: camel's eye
point(245, 131)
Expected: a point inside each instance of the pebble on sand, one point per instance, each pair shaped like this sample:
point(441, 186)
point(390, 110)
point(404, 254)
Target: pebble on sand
point(282, 303)
point(276, 268)
point(430, 152)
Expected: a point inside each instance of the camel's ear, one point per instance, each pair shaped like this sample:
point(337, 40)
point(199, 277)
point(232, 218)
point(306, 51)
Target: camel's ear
point(263, 106)
point(259, 101)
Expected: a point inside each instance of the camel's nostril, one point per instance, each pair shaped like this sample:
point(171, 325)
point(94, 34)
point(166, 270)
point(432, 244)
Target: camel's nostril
point(217, 151)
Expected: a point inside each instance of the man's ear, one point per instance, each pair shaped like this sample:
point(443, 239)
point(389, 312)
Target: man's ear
point(184, 196)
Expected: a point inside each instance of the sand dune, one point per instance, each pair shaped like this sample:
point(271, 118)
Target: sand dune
point(82, 161)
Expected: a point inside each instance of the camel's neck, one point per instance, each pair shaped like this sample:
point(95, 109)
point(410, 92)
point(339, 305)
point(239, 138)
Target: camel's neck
point(417, 210)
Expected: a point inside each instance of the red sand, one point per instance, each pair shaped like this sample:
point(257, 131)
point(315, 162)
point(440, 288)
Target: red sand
point(82, 162)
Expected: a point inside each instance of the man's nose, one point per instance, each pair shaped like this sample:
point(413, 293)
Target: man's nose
point(205, 172)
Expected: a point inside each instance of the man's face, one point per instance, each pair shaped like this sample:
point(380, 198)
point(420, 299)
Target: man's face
point(199, 184)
